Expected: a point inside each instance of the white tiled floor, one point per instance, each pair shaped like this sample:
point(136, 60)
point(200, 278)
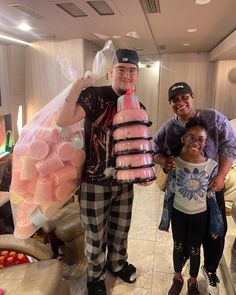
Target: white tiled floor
point(150, 250)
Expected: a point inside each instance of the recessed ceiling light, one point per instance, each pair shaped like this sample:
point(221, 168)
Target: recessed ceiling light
point(116, 37)
point(186, 44)
point(101, 36)
point(24, 27)
point(191, 30)
point(133, 35)
point(202, 2)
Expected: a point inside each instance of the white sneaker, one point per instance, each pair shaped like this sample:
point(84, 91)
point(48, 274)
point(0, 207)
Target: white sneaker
point(212, 281)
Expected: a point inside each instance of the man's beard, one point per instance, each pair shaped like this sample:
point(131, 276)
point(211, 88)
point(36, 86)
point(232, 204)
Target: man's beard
point(121, 91)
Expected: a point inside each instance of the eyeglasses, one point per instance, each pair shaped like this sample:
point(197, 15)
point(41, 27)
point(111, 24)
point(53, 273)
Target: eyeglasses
point(122, 70)
point(190, 138)
point(179, 98)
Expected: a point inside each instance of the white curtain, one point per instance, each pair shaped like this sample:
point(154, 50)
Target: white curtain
point(224, 91)
point(147, 92)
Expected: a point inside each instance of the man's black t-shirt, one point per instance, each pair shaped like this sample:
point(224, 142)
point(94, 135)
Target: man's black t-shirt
point(99, 104)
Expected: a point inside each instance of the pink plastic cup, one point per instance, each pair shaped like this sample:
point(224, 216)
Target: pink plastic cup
point(63, 174)
point(50, 164)
point(39, 149)
point(18, 185)
point(43, 191)
point(78, 159)
point(27, 168)
point(66, 151)
point(65, 190)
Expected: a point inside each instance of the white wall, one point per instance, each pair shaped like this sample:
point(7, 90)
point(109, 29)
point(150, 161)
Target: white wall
point(90, 51)
point(44, 75)
point(147, 92)
point(12, 81)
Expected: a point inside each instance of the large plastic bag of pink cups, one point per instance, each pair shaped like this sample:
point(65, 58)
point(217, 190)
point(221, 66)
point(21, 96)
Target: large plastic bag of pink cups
point(48, 160)
point(47, 168)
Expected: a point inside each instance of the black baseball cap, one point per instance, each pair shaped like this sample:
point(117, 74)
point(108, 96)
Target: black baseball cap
point(179, 88)
point(126, 56)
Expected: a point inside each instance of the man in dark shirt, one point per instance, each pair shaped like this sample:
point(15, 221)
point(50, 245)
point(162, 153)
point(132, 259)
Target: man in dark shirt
point(105, 206)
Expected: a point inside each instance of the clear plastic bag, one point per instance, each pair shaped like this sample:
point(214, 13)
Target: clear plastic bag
point(48, 160)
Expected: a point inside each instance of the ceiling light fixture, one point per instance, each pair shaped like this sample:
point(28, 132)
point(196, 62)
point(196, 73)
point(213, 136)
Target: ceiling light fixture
point(192, 30)
point(186, 44)
point(24, 27)
point(116, 37)
point(101, 36)
point(133, 35)
point(202, 2)
point(4, 37)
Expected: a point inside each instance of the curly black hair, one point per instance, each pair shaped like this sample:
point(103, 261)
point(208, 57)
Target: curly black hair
point(196, 122)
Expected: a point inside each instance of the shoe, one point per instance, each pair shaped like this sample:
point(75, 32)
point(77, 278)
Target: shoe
point(212, 281)
point(127, 273)
point(193, 288)
point(96, 288)
point(176, 287)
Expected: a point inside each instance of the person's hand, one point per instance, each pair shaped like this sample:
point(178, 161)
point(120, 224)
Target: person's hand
point(169, 164)
point(217, 183)
point(77, 86)
point(145, 183)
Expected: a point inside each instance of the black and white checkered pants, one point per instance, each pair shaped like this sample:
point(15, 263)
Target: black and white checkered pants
point(106, 216)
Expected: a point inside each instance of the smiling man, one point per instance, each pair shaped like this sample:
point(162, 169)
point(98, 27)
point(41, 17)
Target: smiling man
point(221, 147)
point(105, 206)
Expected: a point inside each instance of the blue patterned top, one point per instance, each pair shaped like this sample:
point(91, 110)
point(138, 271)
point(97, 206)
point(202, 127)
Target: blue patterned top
point(187, 191)
point(191, 185)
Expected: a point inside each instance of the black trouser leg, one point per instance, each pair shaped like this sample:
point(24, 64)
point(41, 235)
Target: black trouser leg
point(196, 232)
point(179, 232)
point(188, 232)
point(213, 249)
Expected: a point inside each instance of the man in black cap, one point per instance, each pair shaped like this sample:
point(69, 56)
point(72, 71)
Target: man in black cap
point(221, 146)
point(105, 206)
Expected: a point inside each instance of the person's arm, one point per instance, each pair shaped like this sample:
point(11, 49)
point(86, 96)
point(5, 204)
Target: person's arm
point(72, 112)
point(217, 183)
point(167, 163)
point(227, 151)
point(216, 224)
point(161, 158)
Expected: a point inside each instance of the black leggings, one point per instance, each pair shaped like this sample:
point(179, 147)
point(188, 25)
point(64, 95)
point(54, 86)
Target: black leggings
point(213, 249)
point(188, 232)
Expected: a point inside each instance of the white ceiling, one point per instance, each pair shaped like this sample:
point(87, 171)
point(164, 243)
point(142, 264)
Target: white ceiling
point(214, 23)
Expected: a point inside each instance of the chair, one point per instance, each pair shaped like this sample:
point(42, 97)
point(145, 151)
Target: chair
point(42, 277)
point(66, 227)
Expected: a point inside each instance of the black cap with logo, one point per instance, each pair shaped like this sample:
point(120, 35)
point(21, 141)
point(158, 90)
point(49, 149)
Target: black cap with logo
point(126, 56)
point(179, 88)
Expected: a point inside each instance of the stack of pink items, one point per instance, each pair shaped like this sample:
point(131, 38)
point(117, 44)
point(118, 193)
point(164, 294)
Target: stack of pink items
point(134, 161)
point(47, 170)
